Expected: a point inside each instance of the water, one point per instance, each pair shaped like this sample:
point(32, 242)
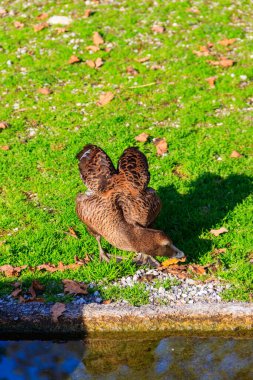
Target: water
point(124, 357)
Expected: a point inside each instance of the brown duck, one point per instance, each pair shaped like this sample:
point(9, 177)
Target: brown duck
point(118, 205)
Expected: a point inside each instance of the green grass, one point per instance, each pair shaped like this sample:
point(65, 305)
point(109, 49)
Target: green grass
point(39, 179)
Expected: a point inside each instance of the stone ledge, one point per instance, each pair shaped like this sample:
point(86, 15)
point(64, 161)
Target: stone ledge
point(36, 318)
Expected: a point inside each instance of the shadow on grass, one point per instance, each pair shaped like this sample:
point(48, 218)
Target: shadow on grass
point(211, 198)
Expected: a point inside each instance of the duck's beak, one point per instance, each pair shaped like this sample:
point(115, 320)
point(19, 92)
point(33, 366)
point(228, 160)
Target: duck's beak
point(177, 253)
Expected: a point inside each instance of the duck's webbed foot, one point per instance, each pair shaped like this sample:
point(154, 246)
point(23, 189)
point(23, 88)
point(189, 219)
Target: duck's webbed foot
point(102, 254)
point(144, 259)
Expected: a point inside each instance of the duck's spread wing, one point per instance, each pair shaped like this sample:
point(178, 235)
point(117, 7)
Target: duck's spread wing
point(95, 167)
point(133, 166)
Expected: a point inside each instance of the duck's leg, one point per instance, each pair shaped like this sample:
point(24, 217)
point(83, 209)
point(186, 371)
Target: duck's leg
point(102, 254)
point(143, 259)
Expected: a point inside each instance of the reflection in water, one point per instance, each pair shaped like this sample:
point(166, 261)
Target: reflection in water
point(124, 357)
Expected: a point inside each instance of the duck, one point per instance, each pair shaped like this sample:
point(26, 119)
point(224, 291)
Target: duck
point(118, 204)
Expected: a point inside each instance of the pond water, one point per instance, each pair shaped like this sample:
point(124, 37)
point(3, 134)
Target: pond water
point(125, 357)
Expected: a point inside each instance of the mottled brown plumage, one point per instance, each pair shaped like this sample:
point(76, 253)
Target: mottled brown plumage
point(118, 205)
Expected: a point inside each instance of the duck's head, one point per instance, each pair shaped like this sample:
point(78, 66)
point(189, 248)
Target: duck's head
point(167, 248)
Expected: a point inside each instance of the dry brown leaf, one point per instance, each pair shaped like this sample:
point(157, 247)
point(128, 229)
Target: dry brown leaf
point(61, 30)
point(72, 232)
point(142, 60)
point(218, 251)
point(74, 59)
point(5, 147)
point(172, 261)
point(97, 39)
point(3, 125)
point(106, 302)
point(227, 42)
point(83, 261)
point(11, 271)
point(92, 48)
point(39, 27)
point(98, 63)
point(44, 91)
point(105, 98)
point(3, 12)
point(130, 70)
point(90, 63)
point(158, 29)
point(18, 24)
point(16, 292)
point(178, 171)
point(57, 310)
point(37, 285)
point(193, 10)
point(211, 81)
point(235, 154)
point(218, 232)
point(156, 67)
point(143, 137)
point(31, 290)
point(161, 146)
point(48, 267)
point(74, 287)
point(198, 269)
point(42, 16)
point(204, 51)
point(87, 13)
point(223, 62)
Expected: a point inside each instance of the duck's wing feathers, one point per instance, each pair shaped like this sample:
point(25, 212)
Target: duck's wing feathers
point(133, 165)
point(96, 168)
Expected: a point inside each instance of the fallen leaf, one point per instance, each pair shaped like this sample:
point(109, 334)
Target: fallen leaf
point(32, 291)
point(57, 310)
point(218, 232)
point(106, 302)
point(5, 147)
point(179, 172)
point(92, 48)
point(161, 146)
point(61, 30)
point(223, 62)
point(218, 251)
point(72, 233)
point(16, 292)
point(37, 285)
point(98, 63)
point(44, 91)
point(198, 269)
point(42, 16)
point(235, 154)
point(87, 13)
point(143, 137)
point(16, 284)
point(204, 51)
point(48, 267)
point(3, 125)
point(11, 271)
point(39, 27)
point(105, 98)
point(211, 81)
point(74, 287)
point(193, 10)
point(74, 59)
point(82, 261)
point(142, 60)
point(156, 67)
point(251, 258)
point(158, 29)
point(130, 70)
point(227, 42)
point(172, 261)
point(18, 24)
point(97, 39)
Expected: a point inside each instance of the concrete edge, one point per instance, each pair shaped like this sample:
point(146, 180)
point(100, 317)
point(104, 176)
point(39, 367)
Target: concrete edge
point(36, 318)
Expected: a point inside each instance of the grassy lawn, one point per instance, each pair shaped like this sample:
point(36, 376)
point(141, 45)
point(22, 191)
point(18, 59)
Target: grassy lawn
point(168, 96)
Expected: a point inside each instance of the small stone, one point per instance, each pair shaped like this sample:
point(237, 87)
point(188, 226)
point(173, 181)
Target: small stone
point(59, 20)
point(98, 300)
